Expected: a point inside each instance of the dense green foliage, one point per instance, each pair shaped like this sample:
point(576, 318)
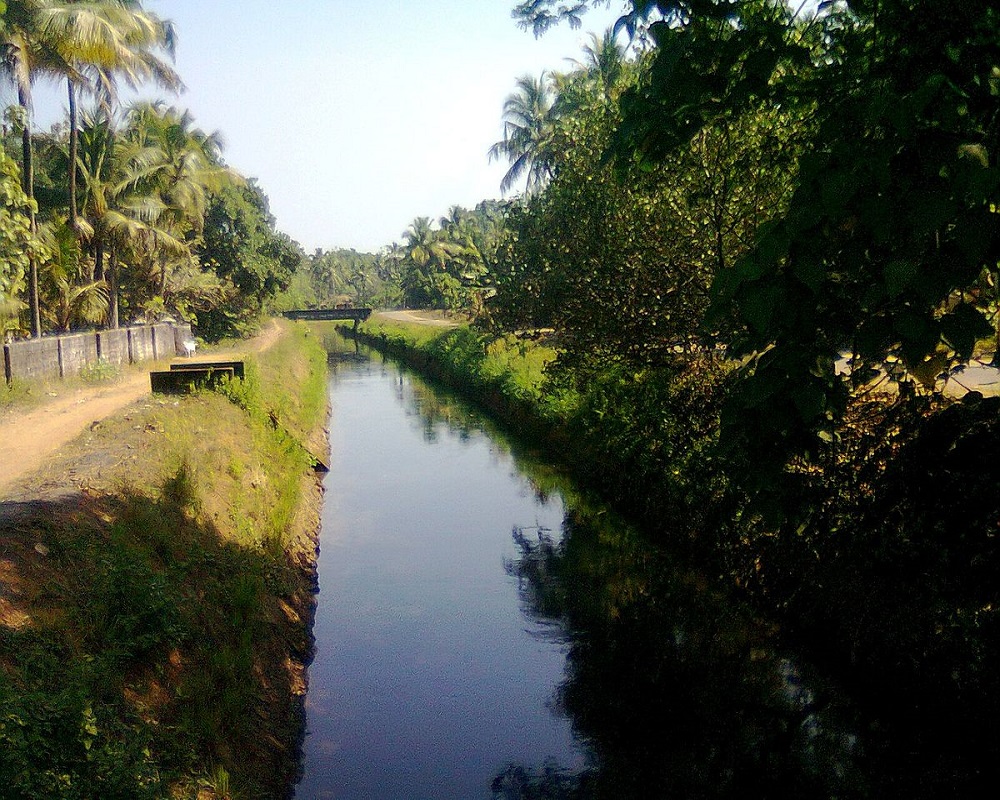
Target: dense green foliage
point(875, 238)
point(345, 276)
point(447, 266)
point(883, 241)
point(474, 360)
point(620, 262)
point(124, 196)
point(15, 241)
point(252, 261)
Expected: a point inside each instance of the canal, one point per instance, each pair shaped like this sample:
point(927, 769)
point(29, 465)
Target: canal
point(484, 632)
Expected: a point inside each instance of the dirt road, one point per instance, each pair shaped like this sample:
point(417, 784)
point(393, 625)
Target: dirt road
point(27, 439)
point(419, 317)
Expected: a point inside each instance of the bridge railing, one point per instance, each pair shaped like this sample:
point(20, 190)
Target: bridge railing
point(317, 314)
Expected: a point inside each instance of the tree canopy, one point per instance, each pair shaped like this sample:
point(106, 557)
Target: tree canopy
point(131, 202)
point(888, 242)
point(16, 241)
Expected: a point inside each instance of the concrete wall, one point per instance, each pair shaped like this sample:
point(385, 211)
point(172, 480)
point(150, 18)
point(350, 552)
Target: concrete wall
point(75, 352)
point(33, 359)
point(163, 341)
point(182, 333)
point(140, 344)
point(112, 346)
point(60, 356)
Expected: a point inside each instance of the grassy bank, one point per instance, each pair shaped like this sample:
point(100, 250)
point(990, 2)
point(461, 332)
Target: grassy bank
point(506, 375)
point(157, 593)
point(881, 564)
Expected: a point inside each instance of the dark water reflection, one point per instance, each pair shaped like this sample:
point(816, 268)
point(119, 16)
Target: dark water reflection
point(484, 632)
point(679, 692)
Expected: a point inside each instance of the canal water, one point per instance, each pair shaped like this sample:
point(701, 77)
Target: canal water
point(483, 632)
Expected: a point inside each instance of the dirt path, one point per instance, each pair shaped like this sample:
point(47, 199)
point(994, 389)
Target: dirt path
point(27, 439)
point(419, 317)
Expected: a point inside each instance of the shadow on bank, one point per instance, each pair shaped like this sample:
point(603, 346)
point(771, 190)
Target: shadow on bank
point(142, 655)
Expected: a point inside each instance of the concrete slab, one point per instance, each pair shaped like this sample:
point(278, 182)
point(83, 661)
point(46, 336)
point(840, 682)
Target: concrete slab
point(140, 344)
point(33, 359)
point(112, 346)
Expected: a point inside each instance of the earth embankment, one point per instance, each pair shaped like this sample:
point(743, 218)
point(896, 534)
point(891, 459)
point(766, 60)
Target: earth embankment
point(156, 588)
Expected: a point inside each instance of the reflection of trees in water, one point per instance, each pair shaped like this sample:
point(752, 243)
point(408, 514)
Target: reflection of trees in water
point(678, 691)
point(517, 782)
point(436, 412)
point(432, 412)
point(435, 407)
point(338, 345)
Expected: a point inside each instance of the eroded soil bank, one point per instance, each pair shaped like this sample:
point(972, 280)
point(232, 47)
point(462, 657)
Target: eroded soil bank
point(156, 594)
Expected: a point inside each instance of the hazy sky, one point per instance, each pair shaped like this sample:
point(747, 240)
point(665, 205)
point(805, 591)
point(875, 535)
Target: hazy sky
point(355, 116)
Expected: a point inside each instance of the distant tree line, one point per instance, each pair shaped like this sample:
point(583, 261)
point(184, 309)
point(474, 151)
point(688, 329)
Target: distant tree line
point(448, 264)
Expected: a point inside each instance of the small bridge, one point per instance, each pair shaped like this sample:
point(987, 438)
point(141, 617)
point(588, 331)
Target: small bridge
point(317, 314)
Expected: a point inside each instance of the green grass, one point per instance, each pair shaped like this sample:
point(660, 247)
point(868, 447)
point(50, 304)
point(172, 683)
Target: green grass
point(511, 367)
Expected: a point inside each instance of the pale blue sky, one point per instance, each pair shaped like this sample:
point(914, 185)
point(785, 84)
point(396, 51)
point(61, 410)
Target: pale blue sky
point(355, 116)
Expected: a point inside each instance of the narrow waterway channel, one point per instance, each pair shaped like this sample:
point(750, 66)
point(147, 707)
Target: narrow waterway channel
point(427, 679)
point(481, 632)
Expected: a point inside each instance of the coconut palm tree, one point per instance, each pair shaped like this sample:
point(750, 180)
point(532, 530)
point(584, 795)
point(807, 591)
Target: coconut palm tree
point(103, 43)
point(71, 298)
point(425, 246)
point(123, 213)
point(68, 38)
point(25, 53)
point(459, 227)
point(604, 63)
point(428, 253)
point(182, 166)
point(527, 127)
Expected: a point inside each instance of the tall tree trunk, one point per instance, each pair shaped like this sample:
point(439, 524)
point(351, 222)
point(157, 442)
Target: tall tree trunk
point(113, 289)
point(99, 261)
point(28, 183)
point(163, 274)
point(73, 146)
